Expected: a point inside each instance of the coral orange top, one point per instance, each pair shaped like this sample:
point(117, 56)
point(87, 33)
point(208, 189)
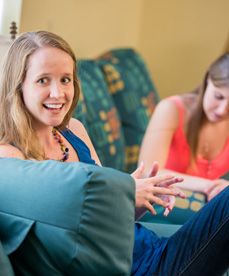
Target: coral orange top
point(179, 155)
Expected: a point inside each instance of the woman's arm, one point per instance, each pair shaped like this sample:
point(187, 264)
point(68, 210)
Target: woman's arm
point(7, 150)
point(158, 137)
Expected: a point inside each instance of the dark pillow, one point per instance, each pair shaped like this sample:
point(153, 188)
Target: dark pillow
point(5, 266)
point(66, 218)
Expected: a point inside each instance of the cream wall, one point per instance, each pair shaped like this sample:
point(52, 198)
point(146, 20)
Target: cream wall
point(177, 38)
point(90, 26)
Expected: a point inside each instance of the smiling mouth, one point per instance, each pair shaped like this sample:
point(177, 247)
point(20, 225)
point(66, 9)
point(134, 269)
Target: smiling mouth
point(53, 106)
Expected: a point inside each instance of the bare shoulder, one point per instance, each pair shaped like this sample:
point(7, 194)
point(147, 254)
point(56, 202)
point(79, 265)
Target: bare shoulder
point(168, 105)
point(7, 150)
point(78, 128)
point(166, 114)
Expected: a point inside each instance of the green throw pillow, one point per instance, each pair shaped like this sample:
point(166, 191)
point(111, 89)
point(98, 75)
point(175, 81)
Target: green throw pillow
point(102, 117)
point(134, 94)
point(66, 218)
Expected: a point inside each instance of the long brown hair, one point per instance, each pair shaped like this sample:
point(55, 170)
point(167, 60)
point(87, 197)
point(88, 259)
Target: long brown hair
point(15, 122)
point(218, 73)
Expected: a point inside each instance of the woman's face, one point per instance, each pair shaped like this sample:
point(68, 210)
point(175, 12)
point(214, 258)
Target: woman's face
point(216, 102)
point(48, 88)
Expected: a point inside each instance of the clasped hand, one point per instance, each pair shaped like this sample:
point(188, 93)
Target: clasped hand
point(156, 190)
point(214, 187)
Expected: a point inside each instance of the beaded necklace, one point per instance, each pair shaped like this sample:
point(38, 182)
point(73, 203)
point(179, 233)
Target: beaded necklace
point(62, 146)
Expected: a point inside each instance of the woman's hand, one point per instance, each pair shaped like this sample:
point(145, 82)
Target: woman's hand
point(214, 187)
point(156, 189)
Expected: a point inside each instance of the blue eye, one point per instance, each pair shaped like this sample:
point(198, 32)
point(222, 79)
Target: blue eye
point(65, 80)
point(43, 80)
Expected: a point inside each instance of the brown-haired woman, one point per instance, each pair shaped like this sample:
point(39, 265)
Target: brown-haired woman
point(189, 133)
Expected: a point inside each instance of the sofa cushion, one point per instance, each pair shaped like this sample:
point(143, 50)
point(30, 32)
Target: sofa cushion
point(134, 94)
point(102, 117)
point(226, 176)
point(66, 218)
point(5, 266)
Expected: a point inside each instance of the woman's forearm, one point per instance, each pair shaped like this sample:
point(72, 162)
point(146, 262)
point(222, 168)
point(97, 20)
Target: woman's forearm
point(192, 183)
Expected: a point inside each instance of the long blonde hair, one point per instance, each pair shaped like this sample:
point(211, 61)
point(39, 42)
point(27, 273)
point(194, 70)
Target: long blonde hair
point(218, 73)
point(15, 123)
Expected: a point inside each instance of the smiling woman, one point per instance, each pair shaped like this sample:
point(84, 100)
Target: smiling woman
point(43, 98)
point(50, 77)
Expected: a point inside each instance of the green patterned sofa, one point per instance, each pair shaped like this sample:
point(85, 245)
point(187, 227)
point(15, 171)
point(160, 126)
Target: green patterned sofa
point(116, 104)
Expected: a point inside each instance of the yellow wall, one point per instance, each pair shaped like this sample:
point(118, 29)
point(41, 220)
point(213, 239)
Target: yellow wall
point(177, 38)
point(180, 38)
point(90, 26)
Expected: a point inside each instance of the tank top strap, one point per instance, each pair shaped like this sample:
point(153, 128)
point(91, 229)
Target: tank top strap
point(180, 107)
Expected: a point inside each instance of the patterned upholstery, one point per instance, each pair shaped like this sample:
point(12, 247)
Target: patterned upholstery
point(182, 211)
point(102, 119)
point(134, 95)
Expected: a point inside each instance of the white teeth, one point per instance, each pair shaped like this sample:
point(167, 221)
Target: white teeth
point(53, 105)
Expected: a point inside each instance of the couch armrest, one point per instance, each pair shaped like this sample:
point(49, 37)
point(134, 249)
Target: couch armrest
point(64, 218)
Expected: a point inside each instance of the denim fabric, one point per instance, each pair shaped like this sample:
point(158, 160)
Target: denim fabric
point(200, 246)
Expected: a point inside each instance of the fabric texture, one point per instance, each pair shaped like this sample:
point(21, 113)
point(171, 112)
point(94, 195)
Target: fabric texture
point(134, 95)
point(102, 118)
point(5, 265)
point(80, 111)
point(80, 147)
point(179, 155)
point(61, 218)
point(148, 248)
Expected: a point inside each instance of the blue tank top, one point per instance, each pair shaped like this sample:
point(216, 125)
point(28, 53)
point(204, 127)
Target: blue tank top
point(80, 147)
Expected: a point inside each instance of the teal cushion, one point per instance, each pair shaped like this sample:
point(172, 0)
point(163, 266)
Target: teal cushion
point(134, 94)
point(162, 230)
point(66, 218)
point(102, 117)
point(226, 176)
point(5, 266)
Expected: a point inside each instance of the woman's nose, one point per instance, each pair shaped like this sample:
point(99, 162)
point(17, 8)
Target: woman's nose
point(56, 91)
point(224, 108)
